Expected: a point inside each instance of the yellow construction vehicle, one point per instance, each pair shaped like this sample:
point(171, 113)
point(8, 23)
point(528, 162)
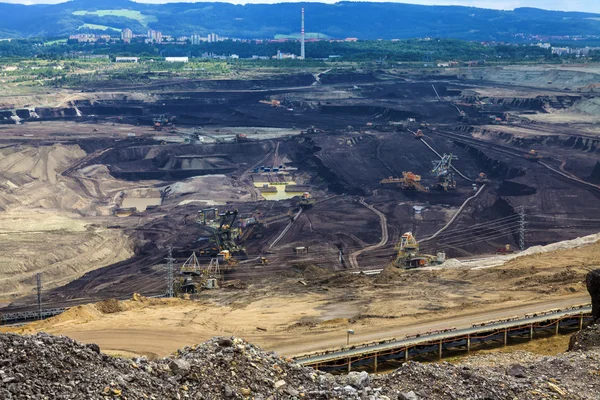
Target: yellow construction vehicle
point(408, 255)
point(264, 261)
point(533, 156)
point(419, 134)
point(306, 201)
point(224, 255)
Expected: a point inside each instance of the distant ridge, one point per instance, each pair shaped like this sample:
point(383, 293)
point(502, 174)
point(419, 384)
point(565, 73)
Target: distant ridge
point(363, 20)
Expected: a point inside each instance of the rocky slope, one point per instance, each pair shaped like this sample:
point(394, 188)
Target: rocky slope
point(49, 367)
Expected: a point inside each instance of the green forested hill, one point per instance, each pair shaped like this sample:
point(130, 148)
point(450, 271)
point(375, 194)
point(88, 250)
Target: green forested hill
point(345, 19)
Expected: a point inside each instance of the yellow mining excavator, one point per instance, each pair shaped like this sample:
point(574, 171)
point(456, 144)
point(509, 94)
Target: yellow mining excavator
point(409, 181)
point(408, 254)
point(533, 156)
point(306, 200)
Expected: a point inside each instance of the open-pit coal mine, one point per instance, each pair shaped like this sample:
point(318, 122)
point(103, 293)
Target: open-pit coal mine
point(245, 146)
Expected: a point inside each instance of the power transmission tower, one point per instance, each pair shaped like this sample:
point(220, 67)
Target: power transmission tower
point(38, 278)
point(170, 260)
point(522, 228)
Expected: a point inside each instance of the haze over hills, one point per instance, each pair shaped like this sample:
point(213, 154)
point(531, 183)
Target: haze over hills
point(263, 21)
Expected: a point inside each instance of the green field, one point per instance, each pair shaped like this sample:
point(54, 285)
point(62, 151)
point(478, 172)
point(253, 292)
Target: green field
point(55, 42)
point(98, 27)
point(131, 14)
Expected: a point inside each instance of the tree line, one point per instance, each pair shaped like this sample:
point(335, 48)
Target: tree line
point(411, 50)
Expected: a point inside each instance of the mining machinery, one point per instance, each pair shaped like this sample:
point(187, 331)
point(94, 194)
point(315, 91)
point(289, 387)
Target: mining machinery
point(443, 171)
point(274, 103)
point(419, 134)
point(482, 178)
point(226, 235)
point(225, 238)
point(533, 156)
point(409, 181)
point(161, 121)
point(194, 277)
point(312, 130)
point(164, 193)
point(408, 255)
point(306, 201)
point(241, 137)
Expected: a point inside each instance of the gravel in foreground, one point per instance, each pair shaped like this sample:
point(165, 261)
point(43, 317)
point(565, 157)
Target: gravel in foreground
point(43, 366)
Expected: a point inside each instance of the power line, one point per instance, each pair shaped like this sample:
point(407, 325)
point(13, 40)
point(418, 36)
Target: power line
point(478, 231)
point(480, 238)
point(170, 260)
point(38, 279)
point(479, 241)
point(565, 218)
point(514, 216)
point(522, 228)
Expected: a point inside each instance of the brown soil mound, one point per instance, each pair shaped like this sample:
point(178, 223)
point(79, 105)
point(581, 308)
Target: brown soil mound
point(109, 306)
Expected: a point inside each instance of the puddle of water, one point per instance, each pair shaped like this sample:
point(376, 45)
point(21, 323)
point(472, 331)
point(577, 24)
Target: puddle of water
point(280, 194)
point(141, 203)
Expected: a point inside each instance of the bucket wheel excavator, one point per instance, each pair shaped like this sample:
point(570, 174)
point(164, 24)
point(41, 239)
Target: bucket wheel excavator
point(409, 181)
point(408, 255)
point(444, 173)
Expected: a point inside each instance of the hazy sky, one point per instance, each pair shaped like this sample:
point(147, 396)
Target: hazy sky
point(565, 5)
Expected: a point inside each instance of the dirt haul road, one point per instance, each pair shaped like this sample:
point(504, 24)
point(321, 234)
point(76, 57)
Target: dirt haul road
point(384, 235)
point(282, 315)
point(137, 330)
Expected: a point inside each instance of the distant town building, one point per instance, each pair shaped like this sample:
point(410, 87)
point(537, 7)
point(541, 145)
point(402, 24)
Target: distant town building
point(177, 59)
point(154, 36)
point(126, 35)
point(89, 37)
point(234, 56)
point(351, 39)
point(127, 59)
point(284, 56)
point(196, 39)
point(561, 50)
point(93, 56)
point(212, 38)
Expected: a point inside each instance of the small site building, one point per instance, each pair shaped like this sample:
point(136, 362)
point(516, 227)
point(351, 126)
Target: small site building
point(301, 250)
point(127, 59)
point(177, 59)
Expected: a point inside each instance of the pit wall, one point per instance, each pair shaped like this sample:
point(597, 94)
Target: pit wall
point(548, 77)
point(588, 145)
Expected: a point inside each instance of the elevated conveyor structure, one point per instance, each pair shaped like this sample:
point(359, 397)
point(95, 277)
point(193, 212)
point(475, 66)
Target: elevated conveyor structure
point(372, 354)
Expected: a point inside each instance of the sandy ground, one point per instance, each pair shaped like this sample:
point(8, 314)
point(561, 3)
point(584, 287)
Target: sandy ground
point(69, 130)
point(49, 222)
point(291, 318)
point(60, 247)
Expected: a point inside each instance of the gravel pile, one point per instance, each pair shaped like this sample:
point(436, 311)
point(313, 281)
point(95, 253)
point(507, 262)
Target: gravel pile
point(568, 376)
point(43, 366)
point(586, 339)
point(49, 367)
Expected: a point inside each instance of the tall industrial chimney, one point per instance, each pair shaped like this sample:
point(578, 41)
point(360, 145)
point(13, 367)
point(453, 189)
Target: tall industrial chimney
point(302, 37)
